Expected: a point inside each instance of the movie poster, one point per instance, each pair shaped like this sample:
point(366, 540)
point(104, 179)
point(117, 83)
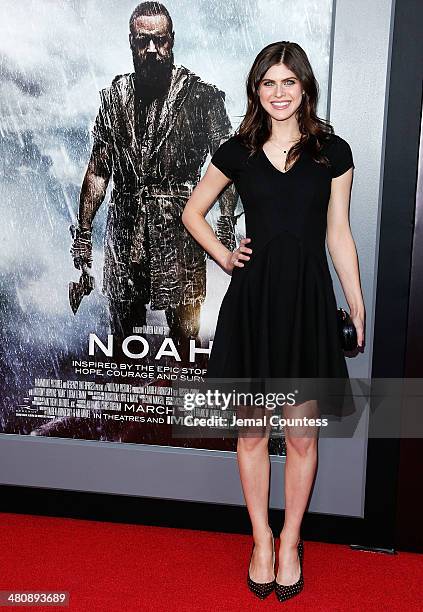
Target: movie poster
point(105, 128)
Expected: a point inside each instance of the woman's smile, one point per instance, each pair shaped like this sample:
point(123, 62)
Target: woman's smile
point(281, 105)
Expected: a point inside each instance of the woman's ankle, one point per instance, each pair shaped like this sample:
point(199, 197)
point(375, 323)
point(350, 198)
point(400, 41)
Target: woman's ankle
point(290, 537)
point(262, 535)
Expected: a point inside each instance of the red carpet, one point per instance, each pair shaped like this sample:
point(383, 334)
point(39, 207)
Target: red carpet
point(114, 567)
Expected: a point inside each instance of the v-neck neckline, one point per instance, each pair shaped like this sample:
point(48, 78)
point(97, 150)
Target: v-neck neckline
point(277, 169)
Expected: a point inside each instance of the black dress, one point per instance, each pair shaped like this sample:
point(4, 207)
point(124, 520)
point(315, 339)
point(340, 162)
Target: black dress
point(278, 317)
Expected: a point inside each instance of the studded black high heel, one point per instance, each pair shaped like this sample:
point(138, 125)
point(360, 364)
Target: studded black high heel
point(261, 589)
point(284, 592)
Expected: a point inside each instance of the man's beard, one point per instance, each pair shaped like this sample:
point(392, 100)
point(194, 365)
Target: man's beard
point(152, 75)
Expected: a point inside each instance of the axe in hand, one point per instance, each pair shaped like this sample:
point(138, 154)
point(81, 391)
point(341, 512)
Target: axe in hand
point(83, 287)
point(80, 289)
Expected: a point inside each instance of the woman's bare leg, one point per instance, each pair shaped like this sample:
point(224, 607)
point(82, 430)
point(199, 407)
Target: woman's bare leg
point(300, 470)
point(254, 469)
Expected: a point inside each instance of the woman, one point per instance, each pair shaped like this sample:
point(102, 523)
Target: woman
point(278, 318)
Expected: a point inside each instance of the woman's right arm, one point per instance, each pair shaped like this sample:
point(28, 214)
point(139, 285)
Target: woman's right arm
point(204, 195)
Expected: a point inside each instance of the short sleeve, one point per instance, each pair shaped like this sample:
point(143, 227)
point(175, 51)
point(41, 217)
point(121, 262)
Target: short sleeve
point(218, 123)
point(101, 129)
point(224, 159)
point(340, 156)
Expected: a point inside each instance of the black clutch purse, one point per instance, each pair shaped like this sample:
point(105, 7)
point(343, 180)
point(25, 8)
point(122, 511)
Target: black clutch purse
point(346, 331)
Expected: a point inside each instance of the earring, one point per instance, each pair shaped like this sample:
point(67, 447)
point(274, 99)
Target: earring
point(303, 92)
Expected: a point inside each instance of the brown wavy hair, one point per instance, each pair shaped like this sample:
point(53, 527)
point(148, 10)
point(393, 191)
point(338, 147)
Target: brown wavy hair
point(255, 128)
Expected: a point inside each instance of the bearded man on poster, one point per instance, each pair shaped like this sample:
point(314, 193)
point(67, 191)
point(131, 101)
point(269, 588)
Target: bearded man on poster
point(152, 135)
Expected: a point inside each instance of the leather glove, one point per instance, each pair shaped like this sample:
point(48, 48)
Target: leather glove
point(82, 247)
point(225, 230)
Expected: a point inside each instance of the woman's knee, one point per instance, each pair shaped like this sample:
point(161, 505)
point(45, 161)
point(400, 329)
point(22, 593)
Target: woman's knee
point(303, 446)
point(251, 444)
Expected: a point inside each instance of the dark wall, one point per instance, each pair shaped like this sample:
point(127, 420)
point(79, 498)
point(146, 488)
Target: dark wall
point(394, 465)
